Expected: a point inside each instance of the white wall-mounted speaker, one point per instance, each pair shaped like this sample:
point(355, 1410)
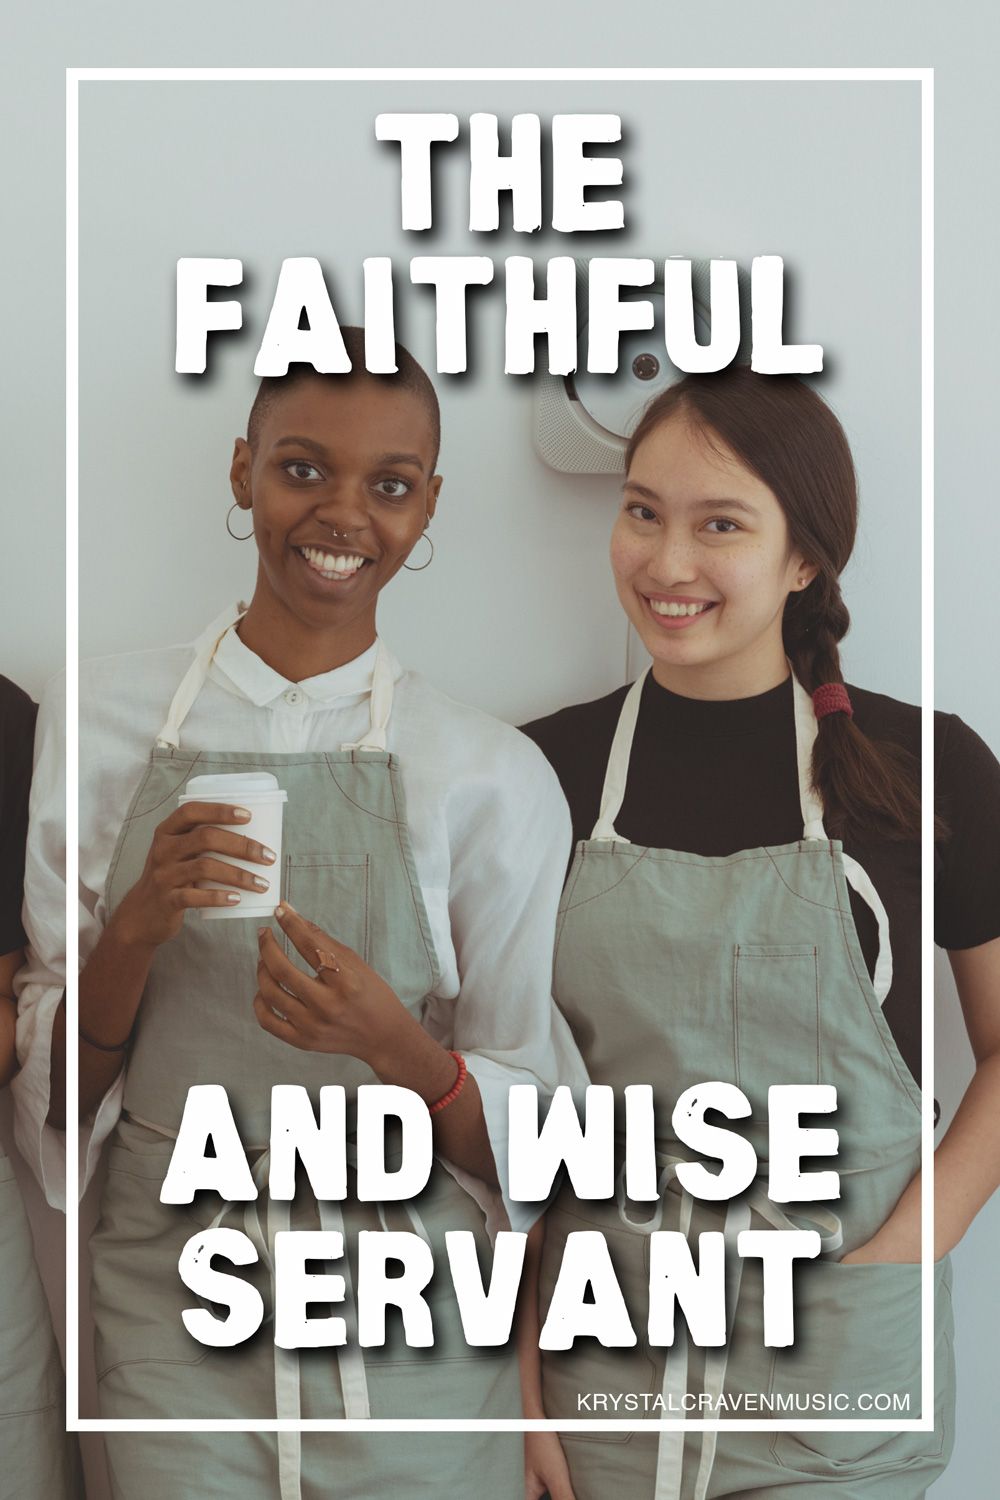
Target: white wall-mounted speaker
point(582, 421)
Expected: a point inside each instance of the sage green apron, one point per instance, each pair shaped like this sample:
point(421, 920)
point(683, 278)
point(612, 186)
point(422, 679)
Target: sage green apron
point(38, 1459)
point(674, 969)
point(348, 865)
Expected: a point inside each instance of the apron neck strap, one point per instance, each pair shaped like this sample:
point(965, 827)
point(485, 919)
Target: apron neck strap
point(806, 729)
point(193, 681)
point(380, 704)
point(616, 775)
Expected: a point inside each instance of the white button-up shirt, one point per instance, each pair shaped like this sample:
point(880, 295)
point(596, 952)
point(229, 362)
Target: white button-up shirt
point(490, 833)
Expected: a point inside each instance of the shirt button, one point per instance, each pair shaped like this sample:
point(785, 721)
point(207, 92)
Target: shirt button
point(294, 695)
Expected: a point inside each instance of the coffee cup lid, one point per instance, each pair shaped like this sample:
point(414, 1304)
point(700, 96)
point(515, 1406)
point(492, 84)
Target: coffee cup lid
point(234, 783)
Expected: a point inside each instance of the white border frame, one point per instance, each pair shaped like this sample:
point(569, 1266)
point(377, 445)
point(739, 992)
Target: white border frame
point(923, 76)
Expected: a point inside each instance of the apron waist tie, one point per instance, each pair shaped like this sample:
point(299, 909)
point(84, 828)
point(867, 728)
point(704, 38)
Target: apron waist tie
point(287, 1374)
point(670, 1451)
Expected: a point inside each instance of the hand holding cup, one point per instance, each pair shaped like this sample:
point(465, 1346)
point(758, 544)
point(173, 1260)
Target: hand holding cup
point(190, 847)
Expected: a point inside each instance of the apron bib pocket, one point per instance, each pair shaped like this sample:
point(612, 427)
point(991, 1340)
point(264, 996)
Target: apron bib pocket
point(858, 1339)
point(332, 891)
point(776, 994)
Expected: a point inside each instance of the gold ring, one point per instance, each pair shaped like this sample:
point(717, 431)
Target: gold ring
point(325, 961)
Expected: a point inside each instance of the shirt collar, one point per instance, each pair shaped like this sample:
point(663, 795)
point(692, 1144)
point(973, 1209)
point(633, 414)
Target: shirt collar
point(241, 671)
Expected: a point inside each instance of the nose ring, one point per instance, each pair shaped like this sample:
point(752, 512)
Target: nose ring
point(345, 534)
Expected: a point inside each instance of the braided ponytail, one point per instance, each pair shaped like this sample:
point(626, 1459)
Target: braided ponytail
point(783, 431)
point(863, 784)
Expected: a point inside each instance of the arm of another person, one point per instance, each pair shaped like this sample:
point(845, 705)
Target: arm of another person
point(42, 980)
point(9, 965)
point(38, 1087)
point(17, 727)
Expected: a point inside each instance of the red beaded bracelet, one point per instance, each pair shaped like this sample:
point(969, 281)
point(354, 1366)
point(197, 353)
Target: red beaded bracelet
point(456, 1088)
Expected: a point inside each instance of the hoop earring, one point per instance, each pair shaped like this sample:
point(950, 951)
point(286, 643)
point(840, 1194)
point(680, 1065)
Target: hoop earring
point(427, 564)
point(232, 533)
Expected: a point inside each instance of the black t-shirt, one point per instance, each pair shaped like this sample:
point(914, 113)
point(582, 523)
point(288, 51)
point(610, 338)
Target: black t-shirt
point(17, 736)
point(713, 778)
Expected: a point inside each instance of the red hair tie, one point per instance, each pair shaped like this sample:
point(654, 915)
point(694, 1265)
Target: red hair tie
point(832, 698)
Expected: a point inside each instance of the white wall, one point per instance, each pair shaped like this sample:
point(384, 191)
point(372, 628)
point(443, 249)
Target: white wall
point(834, 194)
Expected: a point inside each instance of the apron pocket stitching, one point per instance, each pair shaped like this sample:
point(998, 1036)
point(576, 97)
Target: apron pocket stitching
point(153, 1359)
point(185, 764)
point(379, 817)
point(134, 814)
point(159, 1175)
point(320, 862)
point(30, 1411)
point(802, 1459)
point(595, 1437)
point(304, 864)
point(613, 887)
point(433, 1357)
point(823, 905)
point(776, 954)
point(419, 907)
point(566, 905)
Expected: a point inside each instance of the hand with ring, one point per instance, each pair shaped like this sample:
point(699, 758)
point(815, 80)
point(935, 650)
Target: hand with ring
point(345, 1007)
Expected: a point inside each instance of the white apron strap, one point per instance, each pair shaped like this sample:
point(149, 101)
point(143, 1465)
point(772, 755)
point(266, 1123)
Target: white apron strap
point(716, 1360)
point(287, 1374)
point(350, 1356)
point(380, 704)
point(806, 729)
point(616, 775)
point(670, 1448)
point(193, 681)
point(859, 881)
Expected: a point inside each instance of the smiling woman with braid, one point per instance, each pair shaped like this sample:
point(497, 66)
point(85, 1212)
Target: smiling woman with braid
point(744, 905)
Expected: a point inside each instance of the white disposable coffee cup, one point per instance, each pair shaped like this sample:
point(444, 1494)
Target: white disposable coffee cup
point(264, 800)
